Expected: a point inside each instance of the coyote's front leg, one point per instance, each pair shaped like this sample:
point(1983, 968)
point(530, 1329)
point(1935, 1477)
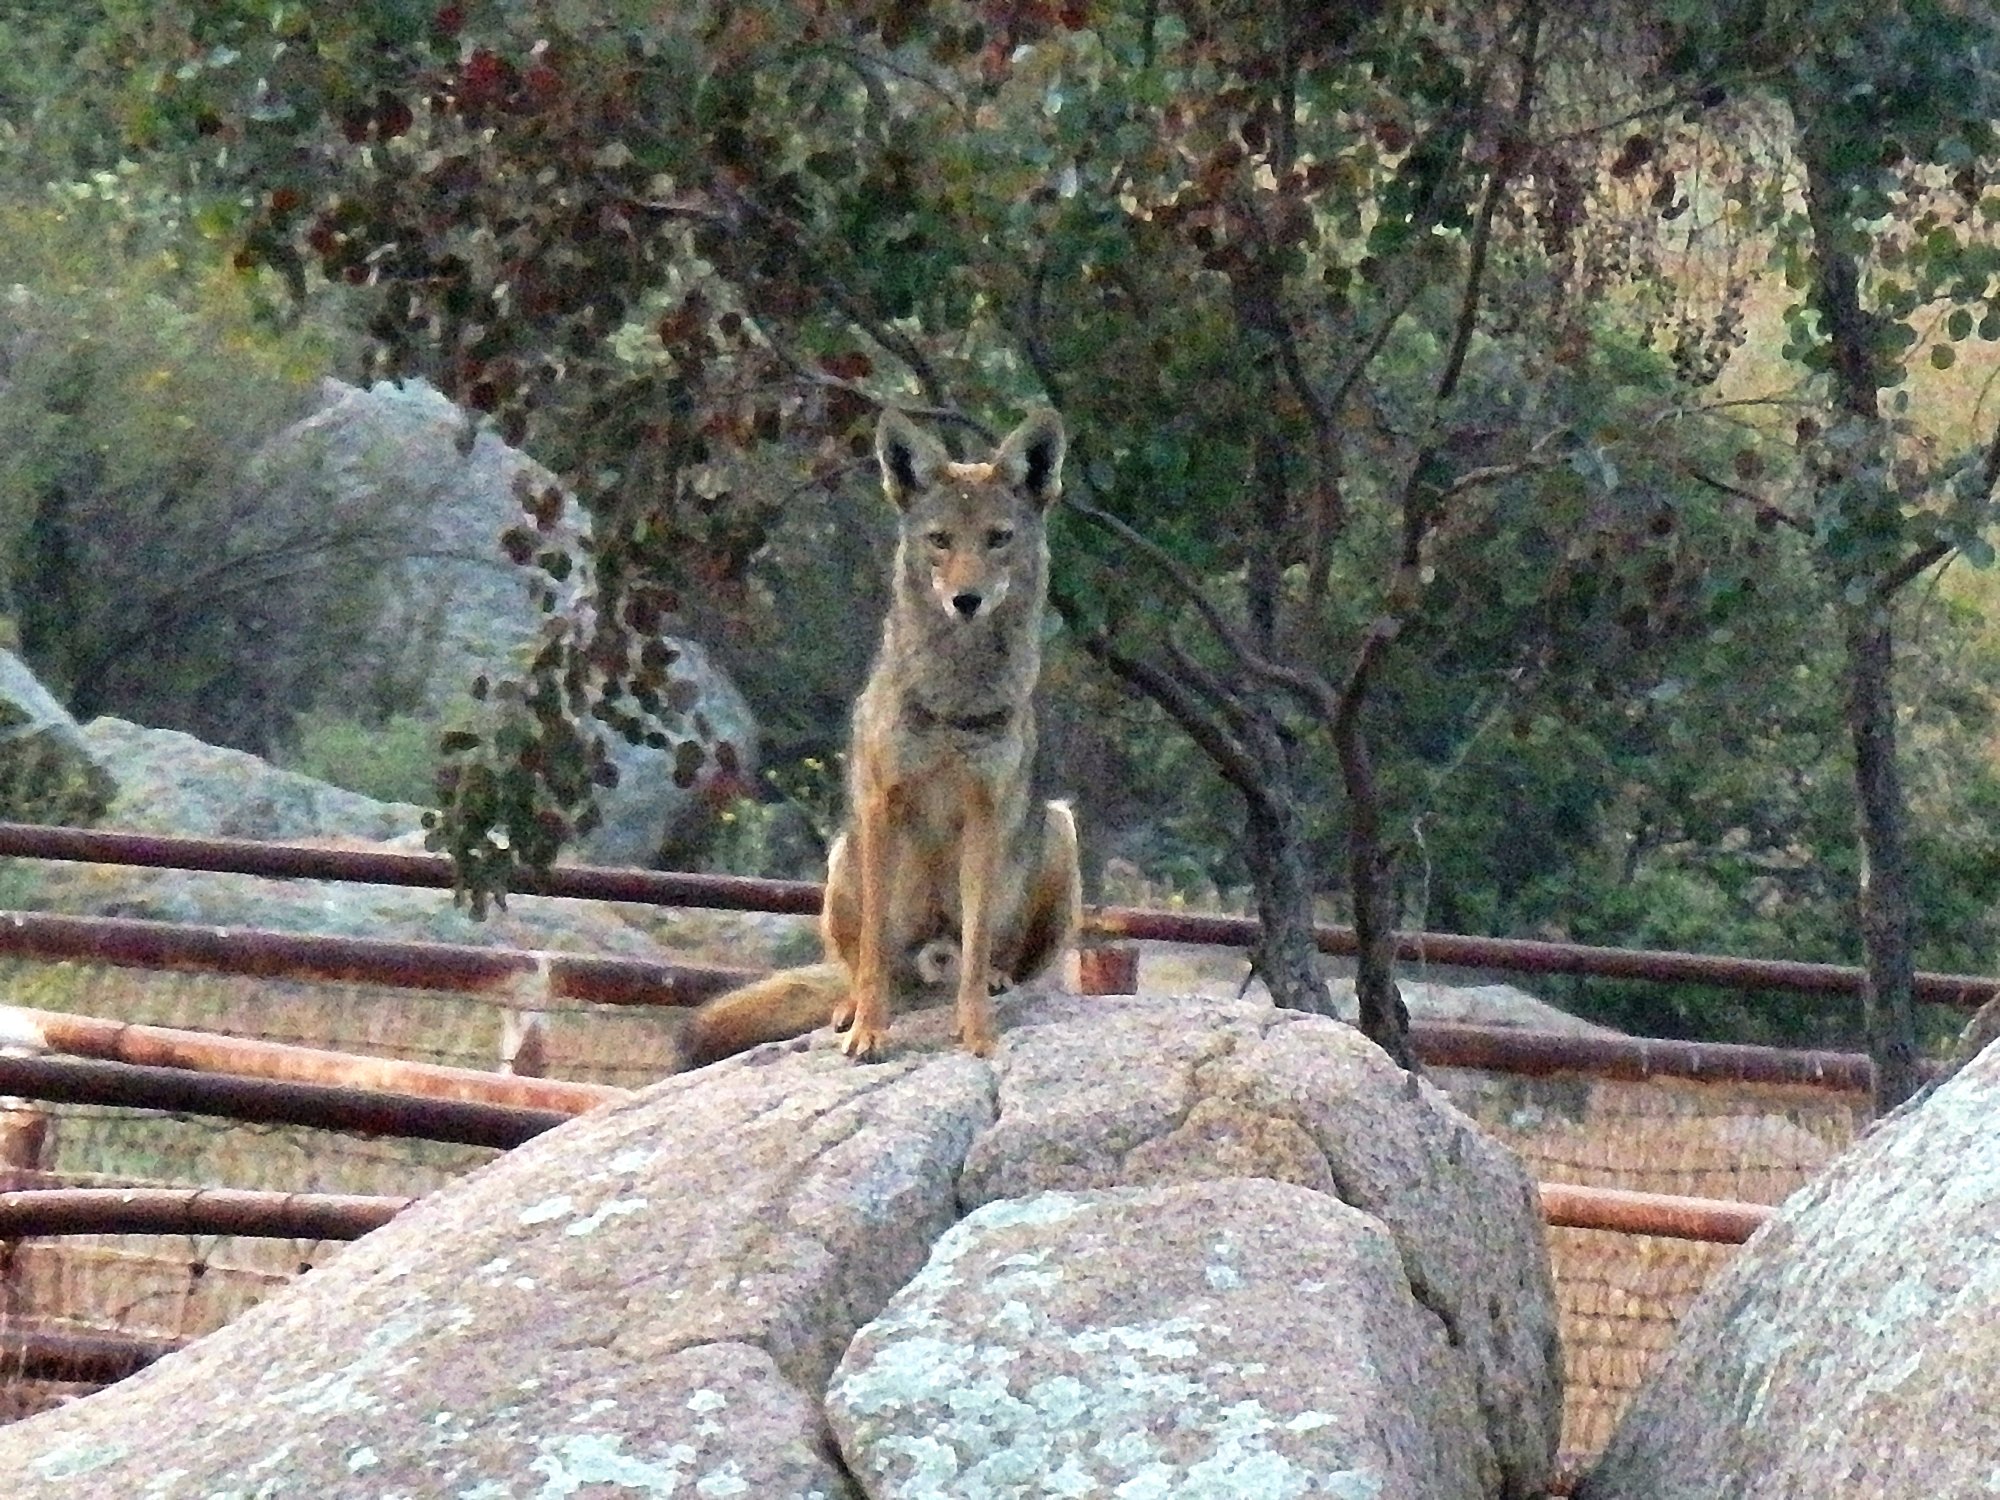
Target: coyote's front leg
point(870, 998)
point(978, 865)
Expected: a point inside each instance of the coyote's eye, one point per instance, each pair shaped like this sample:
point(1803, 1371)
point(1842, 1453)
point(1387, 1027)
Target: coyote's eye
point(999, 537)
point(939, 539)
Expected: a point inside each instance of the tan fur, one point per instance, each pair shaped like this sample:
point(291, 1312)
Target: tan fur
point(945, 873)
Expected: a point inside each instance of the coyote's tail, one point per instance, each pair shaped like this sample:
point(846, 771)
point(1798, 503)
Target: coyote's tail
point(789, 1003)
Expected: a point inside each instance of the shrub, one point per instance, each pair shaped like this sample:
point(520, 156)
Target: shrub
point(148, 581)
point(392, 761)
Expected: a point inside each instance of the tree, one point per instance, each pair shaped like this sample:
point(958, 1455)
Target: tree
point(1313, 286)
point(655, 249)
point(147, 576)
point(1889, 113)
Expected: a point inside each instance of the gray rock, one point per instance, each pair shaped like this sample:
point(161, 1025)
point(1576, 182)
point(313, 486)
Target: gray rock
point(47, 772)
point(1259, 1092)
point(1475, 1005)
point(169, 782)
point(1190, 968)
point(655, 1293)
point(454, 606)
point(1237, 1337)
point(714, 1246)
point(1853, 1346)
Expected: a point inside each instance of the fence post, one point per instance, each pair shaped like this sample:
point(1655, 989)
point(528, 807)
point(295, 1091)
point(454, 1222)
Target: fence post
point(24, 1137)
point(1108, 969)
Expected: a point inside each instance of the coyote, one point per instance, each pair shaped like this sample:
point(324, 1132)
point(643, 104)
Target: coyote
point(945, 872)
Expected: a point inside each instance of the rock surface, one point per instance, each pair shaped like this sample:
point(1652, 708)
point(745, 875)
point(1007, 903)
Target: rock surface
point(1025, 1360)
point(1198, 969)
point(1853, 1346)
point(652, 1299)
point(168, 782)
point(47, 772)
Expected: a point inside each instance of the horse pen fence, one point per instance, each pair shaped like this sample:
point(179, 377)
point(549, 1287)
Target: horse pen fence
point(327, 1081)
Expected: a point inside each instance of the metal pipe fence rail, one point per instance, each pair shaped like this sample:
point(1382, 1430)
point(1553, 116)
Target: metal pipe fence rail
point(1495, 1049)
point(265, 1101)
point(211, 1052)
point(101, 1358)
point(31, 1213)
point(740, 893)
point(72, 1357)
point(36, 1212)
point(527, 976)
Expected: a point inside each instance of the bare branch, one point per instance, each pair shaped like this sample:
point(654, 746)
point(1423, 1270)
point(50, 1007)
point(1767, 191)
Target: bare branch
point(1925, 557)
point(1231, 758)
point(1496, 184)
point(1178, 574)
point(1763, 507)
point(812, 375)
point(1363, 357)
point(1227, 702)
point(865, 64)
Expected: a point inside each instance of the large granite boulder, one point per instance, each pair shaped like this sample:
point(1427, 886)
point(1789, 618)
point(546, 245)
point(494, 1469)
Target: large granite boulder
point(1153, 1248)
point(169, 782)
point(1150, 1341)
point(1853, 1346)
point(172, 783)
point(454, 606)
point(47, 772)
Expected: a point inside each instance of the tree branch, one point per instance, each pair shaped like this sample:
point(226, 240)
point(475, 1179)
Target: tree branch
point(1231, 758)
point(1516, 132)
point(1925, 557)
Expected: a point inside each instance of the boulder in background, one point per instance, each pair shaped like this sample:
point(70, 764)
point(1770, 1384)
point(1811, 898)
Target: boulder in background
point(48, 773)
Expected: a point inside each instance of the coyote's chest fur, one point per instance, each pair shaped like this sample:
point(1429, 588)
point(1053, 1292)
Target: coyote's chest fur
point(953, 707)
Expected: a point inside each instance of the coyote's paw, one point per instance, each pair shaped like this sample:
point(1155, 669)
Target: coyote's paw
point(978, 1040)
point(843, 1014)
point(864, 1042)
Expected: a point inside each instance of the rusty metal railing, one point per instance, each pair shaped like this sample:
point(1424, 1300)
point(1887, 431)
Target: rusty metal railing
point(531, 976)
point(34, 1212)
point(210, 1052)
point(1716, 1221)
point(77, 1080)
point(1439, 1044)
point(77, 1357)
point(740, 893)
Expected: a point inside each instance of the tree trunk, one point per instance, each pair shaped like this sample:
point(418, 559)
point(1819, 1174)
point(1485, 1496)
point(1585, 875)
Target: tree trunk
point(1887, 935)
point(1275, 847)
point(1864, 506)
point(1383, 1018)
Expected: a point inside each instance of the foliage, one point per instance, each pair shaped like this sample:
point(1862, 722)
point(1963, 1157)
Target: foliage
point(1388, 336)
point(394, 760)
point(1890, 121)
point(147, 578)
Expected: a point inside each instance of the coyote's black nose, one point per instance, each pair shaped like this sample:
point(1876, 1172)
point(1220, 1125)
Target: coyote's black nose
point(966, 604)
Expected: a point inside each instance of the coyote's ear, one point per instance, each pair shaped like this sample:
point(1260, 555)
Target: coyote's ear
point(910, 457)
point(1032, 457)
